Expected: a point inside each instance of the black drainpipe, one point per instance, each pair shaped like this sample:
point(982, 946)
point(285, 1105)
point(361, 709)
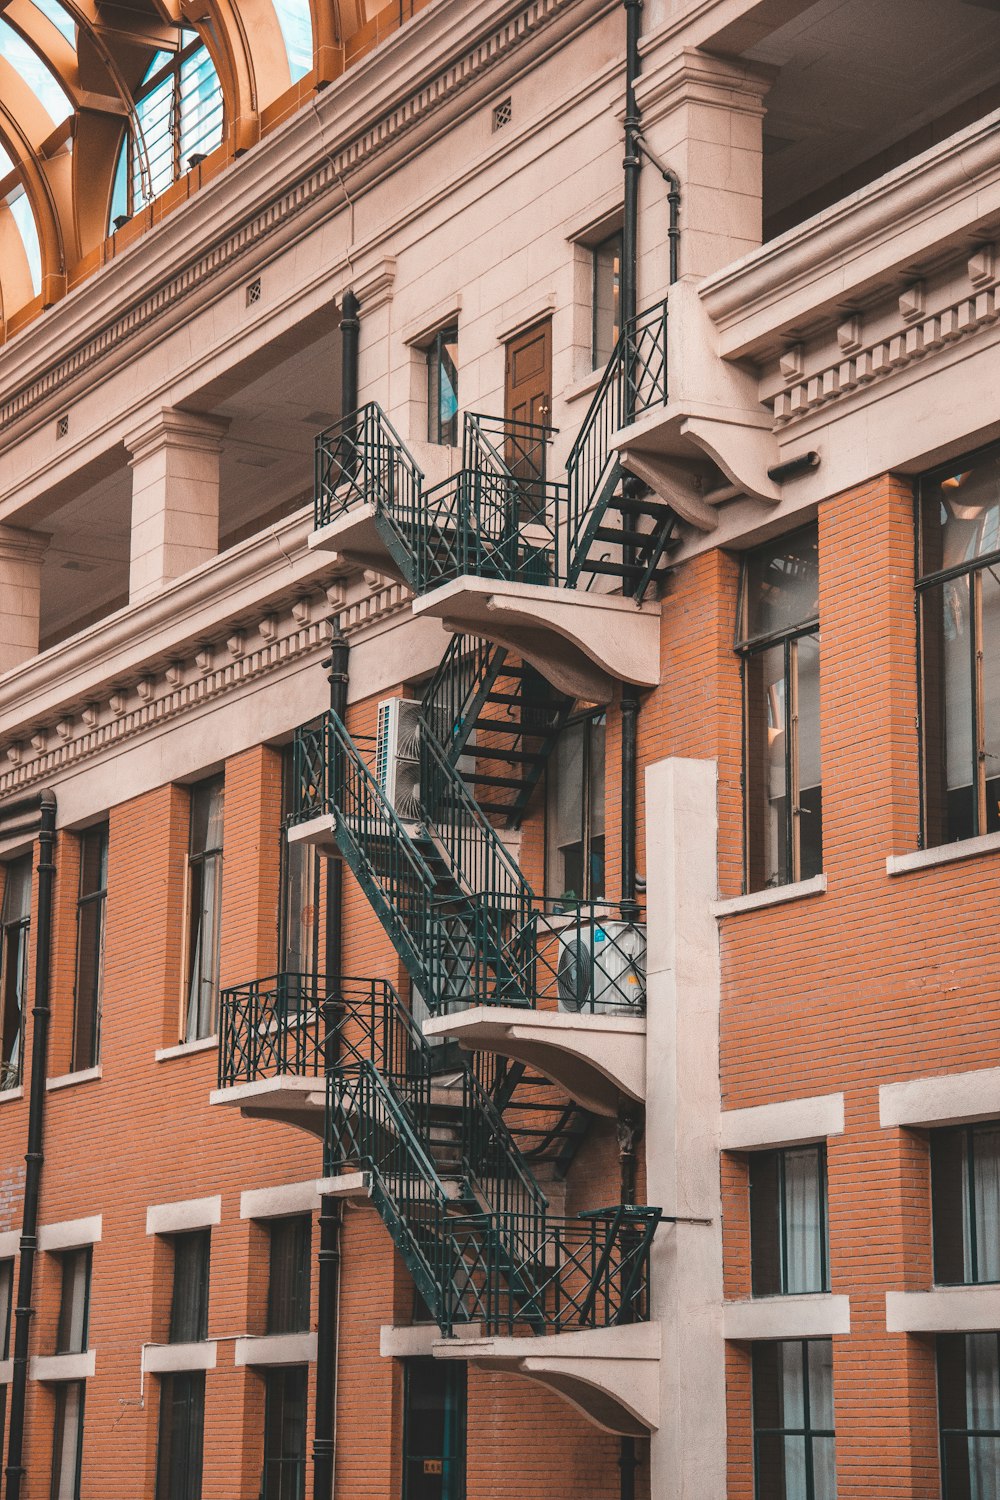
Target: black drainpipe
point(43, 807)
point(327, 1330)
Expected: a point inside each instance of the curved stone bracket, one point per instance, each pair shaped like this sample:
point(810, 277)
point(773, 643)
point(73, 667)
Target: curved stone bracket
point(595, 1058)
point(289, 1099)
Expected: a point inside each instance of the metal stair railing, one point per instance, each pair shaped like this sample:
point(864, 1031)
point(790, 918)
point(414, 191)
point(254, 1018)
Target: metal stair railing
point(459, 689)
point(634, 381)
point(513, 510)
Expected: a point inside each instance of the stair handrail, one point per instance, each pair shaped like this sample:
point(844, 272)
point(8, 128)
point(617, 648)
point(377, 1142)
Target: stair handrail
point(469, 661)
point(632, 383)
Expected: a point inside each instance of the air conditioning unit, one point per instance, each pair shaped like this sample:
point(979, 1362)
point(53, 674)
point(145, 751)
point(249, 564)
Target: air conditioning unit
point(602, 967)
point(397, 755)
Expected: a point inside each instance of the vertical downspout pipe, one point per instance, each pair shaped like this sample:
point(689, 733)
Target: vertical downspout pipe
point(327, 1332)
point(350, 334)
point(35, 1154)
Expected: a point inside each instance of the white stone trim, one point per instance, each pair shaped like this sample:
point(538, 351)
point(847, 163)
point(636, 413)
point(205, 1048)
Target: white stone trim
point(942, 854)
point(953, 1309)
point(820, 1316)
point(536, 308)
point(276, 1349)
point(418, 1340)
point(6, 1371)
point(166, 1359)
point(66, 1080)
point(72, 1234)
point(774, 896)
point(787, 1123)
point(185, 1049)
point(276, 1202)
point(63, 1366)
point(10, 1243)
point(188, 1213)
point(945, 1099)
point(8, 1095)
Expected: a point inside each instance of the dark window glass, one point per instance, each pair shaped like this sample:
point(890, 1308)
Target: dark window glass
point(959, 596)
point(299, 927)
point(15, 919)
point(434, 1430)
point(204, 907)
point(288, 1283)
point(6, 1304)
point(968, 1373)
point(181, 1436)
point(442, 388)
point(788, 1221)
point(285, 1393)
point(574, 811)
point(90, 908)
point(965, 1194)
point(189, 1303)
point(794, 1454)
point(607, 260)
point(67, 1443)
point(780, 646)
point(74, 1304)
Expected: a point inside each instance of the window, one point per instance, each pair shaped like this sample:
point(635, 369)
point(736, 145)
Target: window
point(965, 1194)
point(788, 1240)
point(285, 1392)
point(442, 387)
point(298, 924)
point(189, 1303)
point(204, 907)
point(179, 112)
point(433, 1431)
point(574, 811)
point(607, 323)
point(969, 1409)
point(15, 919)
point(6, 1306)
point(181, 1436)
point(778, 640)
point(74, 1305)
point(958, 593)
point(794, 1456)
point(90, 908)
point(67, 1441)
point(289, 1279)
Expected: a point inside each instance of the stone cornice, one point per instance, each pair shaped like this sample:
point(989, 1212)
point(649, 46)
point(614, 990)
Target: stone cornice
point(349, 132)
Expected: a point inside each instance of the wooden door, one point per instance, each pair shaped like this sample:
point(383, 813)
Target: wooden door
point(528, 399)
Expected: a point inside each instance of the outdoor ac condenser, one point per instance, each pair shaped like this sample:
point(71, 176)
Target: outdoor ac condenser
point(397, 755)
point(602, 967)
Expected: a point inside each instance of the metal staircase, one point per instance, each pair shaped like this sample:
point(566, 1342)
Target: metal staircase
point(443, 1171)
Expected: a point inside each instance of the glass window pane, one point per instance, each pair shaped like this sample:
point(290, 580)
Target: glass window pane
point(948, 1201)
point(285, 1396)
point(289, 1281)
point(781, 583)
point(767, 754)
point(71, 1335)
point(67, 1442)
point(803, 1221)
point(299, 936)
point(15, 914)
point(181, 1436)
point(950, 782)
point(765, 1242)
point(607, 298)
point(442, 388)
point(990, 647)
point(434, 1431)
point(90, 948)
point(295, 21)
point(960, 514)
point(820, 1384)
point(6, 1304)
point(985, 1217)
point(207, 809)
point(807, 773)
point(189, 1304)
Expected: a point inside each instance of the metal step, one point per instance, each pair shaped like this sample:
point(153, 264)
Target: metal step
point(624, 537)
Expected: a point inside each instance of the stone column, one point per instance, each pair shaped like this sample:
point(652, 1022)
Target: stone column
point(174, 459)
point(21, 554)
point(703, 116)
point(683, 1103)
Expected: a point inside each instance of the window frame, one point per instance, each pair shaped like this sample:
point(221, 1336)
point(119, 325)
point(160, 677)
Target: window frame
point(780, 1155)
point(201, 1240)
point(87, 901)
point(748, 646)
point(941, 1343)
point(70, 1260)
point(187, 1483)
point(599, 361)
point(199, 862)
point(21, 927)
point(807, 1432)
point(966, 1134)
point(297, 1294)
point(589, 719)
point(275, 1379)
point(62, 1394)
point(288, 853)
point(442, 435)
point(453, 1374)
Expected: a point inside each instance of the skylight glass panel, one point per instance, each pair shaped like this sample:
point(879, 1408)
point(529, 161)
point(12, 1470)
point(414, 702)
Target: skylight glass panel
point(35, 74)
point(296, 29)
point(6, 165)
point(60, 18)
point(25, 220)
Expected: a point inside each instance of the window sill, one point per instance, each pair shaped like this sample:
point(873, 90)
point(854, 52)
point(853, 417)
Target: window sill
point(585, 387)
point(186, 1049)
point(66, 1080)
point(63, 1366)
point(168, 1359)
point(276, 1349)
point(942, 854)
point(7, 1096)
point(774, 896)
point(814, 1315)
point(954, 1309)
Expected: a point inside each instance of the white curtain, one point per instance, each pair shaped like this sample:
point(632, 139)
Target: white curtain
point(803, 1223)
point(986, 1174)
point(793, 1415)
point(982, 1392)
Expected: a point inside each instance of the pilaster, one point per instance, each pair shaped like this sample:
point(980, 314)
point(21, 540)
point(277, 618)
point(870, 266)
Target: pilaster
point(175, 461)
point(21, 554)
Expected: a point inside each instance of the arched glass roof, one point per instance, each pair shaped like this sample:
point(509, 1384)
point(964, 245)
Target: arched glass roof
point(60, 18)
